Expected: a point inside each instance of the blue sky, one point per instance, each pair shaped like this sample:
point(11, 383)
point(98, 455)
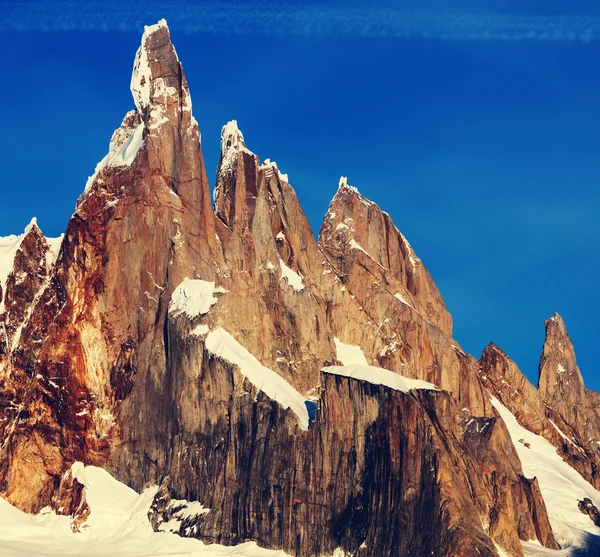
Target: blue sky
point(475, 124)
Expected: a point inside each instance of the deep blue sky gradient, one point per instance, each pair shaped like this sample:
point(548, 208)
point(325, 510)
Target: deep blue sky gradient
point(485, 153)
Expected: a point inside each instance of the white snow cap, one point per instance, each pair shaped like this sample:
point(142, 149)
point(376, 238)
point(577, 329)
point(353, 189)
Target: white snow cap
point(270, 167)
point(343, 183)
point(231, 137)
point(141, 75)
point(232, 143)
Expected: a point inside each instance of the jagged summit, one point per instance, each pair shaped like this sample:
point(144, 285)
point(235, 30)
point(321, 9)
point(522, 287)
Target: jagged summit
point(155, 49)
point(559, 377)
point(558, 320)
point(231, 137)
point(232, 143)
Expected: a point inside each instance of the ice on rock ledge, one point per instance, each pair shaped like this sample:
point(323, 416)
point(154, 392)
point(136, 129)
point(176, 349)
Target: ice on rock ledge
point(120, 156)
point(222, 344)
point(379, 376)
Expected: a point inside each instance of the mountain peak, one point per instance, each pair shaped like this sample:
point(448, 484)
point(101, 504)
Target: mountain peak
point(559, 378)
point(158, 84)
point(556, 321)
point(232, 143)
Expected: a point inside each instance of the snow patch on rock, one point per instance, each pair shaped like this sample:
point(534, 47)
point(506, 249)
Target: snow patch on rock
point(349, 354)
point(141, 76)
point(380, 376)
point(270, 167)
point(222, 344)
point(232, 143)
point(194, 297)
point(122, 155)
point(292, 277)
point(399, 296)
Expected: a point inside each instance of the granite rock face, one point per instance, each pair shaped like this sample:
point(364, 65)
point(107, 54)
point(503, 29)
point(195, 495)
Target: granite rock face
point(188, 346)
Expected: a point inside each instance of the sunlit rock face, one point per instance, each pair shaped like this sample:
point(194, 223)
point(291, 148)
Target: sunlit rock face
point(304, 394)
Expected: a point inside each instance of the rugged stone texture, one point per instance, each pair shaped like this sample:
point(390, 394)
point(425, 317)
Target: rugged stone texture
point(355, 223)
point(265, 235)
point(399, 306)
point(69, 500)
point(586, 506)
point(561, 384)
point(375, 466)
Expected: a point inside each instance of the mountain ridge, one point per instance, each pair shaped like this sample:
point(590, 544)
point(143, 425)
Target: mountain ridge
point(164, 326)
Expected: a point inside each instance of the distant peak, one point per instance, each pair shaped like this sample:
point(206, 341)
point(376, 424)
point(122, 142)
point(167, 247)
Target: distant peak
point(344, 187)
point(232, 143)
point(492, 347)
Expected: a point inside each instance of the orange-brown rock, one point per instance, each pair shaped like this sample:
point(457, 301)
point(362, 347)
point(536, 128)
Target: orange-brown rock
point(105, 358)
point(504, 380)
point(402, 323)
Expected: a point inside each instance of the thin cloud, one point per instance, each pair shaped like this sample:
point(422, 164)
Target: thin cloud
point(295, 18)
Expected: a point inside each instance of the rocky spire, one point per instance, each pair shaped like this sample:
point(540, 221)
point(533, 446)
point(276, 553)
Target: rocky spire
point(158, 83)
point(237, 181)
point(559, 379)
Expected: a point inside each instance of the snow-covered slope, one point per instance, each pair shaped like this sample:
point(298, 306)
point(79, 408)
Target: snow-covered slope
point(562, 488)
point(117, 526)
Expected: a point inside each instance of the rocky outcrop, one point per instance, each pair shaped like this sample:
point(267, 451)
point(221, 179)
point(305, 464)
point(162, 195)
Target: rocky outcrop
point(354, 225)
point(561, 384)
point(586, 506)
point(274, 273)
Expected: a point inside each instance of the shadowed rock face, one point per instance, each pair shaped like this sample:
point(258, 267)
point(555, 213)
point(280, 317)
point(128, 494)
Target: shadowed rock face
point(105, 358)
